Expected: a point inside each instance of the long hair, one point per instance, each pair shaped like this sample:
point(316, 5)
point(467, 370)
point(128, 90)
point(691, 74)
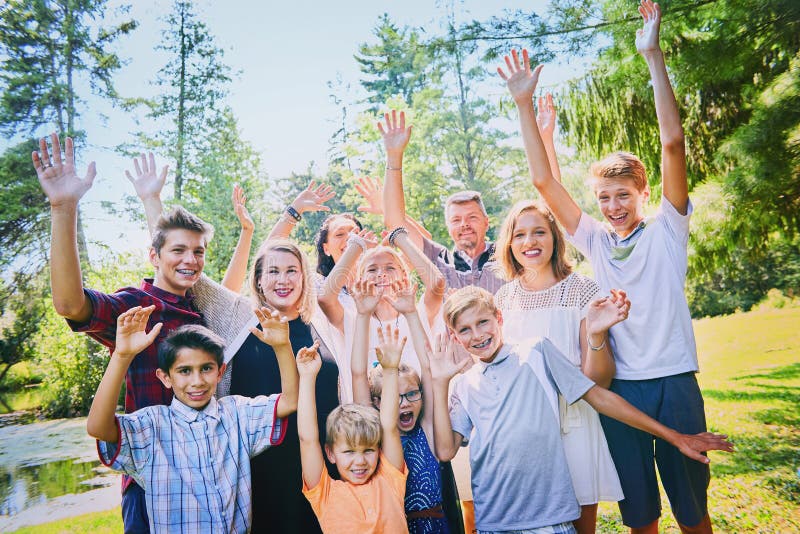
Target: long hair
point(305, 305)
point(508, 265)
point(325, 261)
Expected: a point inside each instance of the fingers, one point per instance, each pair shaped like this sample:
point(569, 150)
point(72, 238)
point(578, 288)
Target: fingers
point(69, 152)
point(137, 167)
point(308, 353)
point(45, 154)
point(56, 149)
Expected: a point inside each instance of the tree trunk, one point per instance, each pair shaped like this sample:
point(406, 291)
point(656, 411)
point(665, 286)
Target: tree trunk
point(180, 159)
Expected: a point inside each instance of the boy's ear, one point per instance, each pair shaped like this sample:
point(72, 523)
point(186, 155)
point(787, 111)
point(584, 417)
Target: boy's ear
point(164, 377)
point(329, 454)
point(221, 371)
point(499, 316)
point(153, 256)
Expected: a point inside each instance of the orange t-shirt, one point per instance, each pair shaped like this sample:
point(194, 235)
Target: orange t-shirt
point(375, 507)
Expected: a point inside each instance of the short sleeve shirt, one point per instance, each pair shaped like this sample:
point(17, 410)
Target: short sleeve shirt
point(194, 465)
point(507, 411)
point(458, 273)
point(657, 339)
point(142, 387)
point(374, 507)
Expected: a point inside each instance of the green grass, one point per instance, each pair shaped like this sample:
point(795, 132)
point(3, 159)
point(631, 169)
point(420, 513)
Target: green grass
point(750, 377)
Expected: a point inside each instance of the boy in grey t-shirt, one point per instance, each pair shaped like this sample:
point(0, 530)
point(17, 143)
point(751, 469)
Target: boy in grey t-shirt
point(506, 407)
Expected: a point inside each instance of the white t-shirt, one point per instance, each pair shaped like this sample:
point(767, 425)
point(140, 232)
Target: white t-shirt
point(657, 339)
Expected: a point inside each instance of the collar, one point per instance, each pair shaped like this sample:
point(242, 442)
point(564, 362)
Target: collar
point(639, 227)
point(190, 414)
point(464, 261)
point(148, 287)
point(502, 355)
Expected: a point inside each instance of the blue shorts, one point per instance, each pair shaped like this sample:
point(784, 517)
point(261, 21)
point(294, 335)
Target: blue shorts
point(674, 401)
point(134, 510)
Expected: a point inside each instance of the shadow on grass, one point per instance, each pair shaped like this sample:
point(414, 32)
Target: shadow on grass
point(786, 372)
point(769, 393)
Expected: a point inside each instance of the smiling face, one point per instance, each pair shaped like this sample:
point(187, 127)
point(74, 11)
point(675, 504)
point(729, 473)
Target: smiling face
point(382, 268)
point(621, 203)
point(356, 463)
point(467, 226)
point(193, 377)
point(532, 241)
point(479, 330)
point(338, 231)
point(179, 263)
point(281, 282)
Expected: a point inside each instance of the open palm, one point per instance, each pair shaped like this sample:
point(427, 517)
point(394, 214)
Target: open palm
point(647, 36)
point(520, 79)
point(57, 177)
point(274, 327)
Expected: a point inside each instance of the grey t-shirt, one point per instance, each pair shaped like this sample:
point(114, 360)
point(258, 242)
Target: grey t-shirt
point(508, 413)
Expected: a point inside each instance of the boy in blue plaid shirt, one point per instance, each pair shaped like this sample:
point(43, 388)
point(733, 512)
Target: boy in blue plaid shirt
point(193, 456)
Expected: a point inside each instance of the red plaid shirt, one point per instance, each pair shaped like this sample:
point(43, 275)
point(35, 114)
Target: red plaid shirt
point(142, 387)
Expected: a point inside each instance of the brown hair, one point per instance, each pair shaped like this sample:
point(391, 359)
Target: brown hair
point(306, 303)
point(376, 378)
point(507, 264)
point(463, 197)
point(464, 299)
point(179, 218)
point(355, 424)
point(619, 165)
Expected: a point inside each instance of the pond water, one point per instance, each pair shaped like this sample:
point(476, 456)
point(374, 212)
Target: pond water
point(49, 470)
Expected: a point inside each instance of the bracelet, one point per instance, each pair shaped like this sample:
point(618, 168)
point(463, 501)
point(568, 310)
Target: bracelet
point(288, 219)
point(294, 213)
point(356, 239)
point(394, 168)
point(396, 232)
point(589, 342)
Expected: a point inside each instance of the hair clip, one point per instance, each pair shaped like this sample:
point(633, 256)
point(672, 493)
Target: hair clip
point(375, 364)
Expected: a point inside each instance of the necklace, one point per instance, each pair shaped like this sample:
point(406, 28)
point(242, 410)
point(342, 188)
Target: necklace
point(396, 321)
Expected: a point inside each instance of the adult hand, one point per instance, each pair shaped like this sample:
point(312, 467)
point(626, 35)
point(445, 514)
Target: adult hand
point(521, 80)
point(57, 177)
point(239, 200)
point(647, 36)
point(372, 191)
point(693, 445)
point(605, 312)
point(147, 183)
point(394, 132)
point(313, 198)
point(546, 116)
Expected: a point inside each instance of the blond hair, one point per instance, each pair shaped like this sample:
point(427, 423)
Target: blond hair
point(305, 305)
point(619, 165)
point(507, 264)
point(362, 263)
point(376, 378)
point(354, 424)
point(464, 299)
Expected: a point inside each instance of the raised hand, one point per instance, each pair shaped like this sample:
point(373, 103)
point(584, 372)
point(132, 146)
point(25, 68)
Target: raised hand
point(57, 177)
point(693, 445)
point(366, 296)
point(131, 336)
point(647, 36)
point(390, 347)
point(521, 80)
point(372, 191)
point(394, 132)
point(605, 312)
point(274, 327)
point(308, 360)
point(405, 296)
point(445, 364)
point(239, 200)
point(546, 116)
point(313, 198)
point(148, 183)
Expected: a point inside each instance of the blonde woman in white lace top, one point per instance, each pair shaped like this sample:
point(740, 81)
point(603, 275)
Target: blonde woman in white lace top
point(544, 298)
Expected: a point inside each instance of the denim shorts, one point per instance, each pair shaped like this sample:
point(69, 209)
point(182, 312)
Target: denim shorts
point(676, 402)
point(134, 510)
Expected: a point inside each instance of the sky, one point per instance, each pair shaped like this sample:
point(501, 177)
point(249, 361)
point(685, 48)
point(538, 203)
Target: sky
point(286, 52)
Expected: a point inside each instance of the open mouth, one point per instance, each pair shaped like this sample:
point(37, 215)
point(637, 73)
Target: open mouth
point(406, 418)
point(196, 396)
point(618, 219)
point(533, 253)
point(186, 272)
point(483, 344)
point(283, 292)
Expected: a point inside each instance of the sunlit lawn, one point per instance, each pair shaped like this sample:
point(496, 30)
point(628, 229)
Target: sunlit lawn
point(750, 378)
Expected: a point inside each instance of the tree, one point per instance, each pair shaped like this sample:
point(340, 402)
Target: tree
point(46, 48)
point(192, 86)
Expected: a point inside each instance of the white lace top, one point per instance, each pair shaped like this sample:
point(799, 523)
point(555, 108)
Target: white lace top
point(554, 313)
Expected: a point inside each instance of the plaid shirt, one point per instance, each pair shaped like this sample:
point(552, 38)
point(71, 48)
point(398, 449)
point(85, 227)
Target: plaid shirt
point(458, 273)
point(194, 465)
point(142, 387)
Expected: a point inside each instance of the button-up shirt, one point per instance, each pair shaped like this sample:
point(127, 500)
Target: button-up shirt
point(458, 273)
point(194, 465)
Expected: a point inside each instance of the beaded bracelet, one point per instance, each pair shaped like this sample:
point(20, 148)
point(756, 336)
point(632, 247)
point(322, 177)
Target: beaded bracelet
point(356, 239)
point(396, 232)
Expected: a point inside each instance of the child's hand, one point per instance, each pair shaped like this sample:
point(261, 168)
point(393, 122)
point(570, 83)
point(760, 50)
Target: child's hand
point(546, 116)
point(313, 198)
point(395, 134)
point(521, 81)
point(605, 312)
point(147, 183)
point(372, 191)
point(444, 362)
point(647, 36)
point(58, 178)
point(390, 347)
point(308, 360)
point(131, 336)
point(693, 445)
point(239, 200)
point(405, 295)
point(366, 296)
point(274, 328)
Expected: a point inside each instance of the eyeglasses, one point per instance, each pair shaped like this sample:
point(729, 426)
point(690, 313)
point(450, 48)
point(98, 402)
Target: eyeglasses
point(411, 396)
